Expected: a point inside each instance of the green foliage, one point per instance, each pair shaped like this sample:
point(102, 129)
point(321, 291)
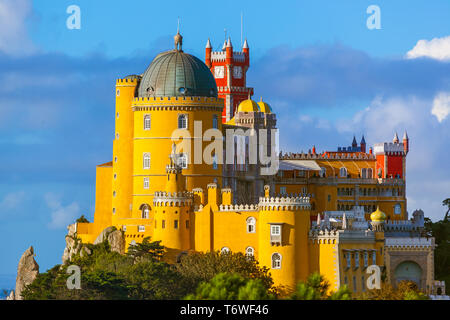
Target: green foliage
point(440, 230)
point(316, 287)
point(146, 250)
point(202, 267)
point(82, 219)
point(231, 286)
point(405, 290)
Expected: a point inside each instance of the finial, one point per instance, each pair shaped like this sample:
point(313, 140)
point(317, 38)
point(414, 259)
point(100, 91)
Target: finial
point(245, 46)
point(395, 140)
point(178, 39)
point(229, 45)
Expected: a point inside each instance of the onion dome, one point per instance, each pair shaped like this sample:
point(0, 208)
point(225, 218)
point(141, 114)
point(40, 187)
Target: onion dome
point(175, 73)
point(378, 215)
point(248, 106)
point(264, 107)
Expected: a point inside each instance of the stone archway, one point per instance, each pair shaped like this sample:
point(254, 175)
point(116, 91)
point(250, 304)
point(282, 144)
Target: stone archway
point(408, 270)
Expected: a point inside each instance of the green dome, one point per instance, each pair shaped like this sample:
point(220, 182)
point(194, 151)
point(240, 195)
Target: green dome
point(177, 74)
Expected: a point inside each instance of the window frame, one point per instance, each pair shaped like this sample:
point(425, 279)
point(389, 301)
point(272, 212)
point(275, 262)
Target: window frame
point(251, 223)
point(146, 157)
point(186, 119)
point(276, 263)
point(149, 118)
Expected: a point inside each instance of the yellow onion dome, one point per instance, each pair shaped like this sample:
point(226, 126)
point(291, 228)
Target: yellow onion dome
point(264, 107)
point(378, 215)
point(248, 106)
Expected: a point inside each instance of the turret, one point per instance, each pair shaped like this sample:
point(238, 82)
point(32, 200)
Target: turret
point(208, 50)
point(395, 140)
point(229, 52)
point(354, 143)
point(405, 143)
point(363, 144)
point(246, 51)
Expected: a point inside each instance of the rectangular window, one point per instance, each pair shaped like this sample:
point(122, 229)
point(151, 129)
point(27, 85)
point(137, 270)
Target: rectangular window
point(349, 259)
point(275, 230)
point(366, 259)
point(182, 121)
point(146, 160)
point(356, 260)
point(304, 190)
point(215, 122)
point(283, 190)
point(175, 224)
point(146, 183)
point(374, 257)
point(163, 224)
point(354, 283)
point(187, 224)
point(363, 287)
point(147, 122)
point(141, 228)
point(183, 160)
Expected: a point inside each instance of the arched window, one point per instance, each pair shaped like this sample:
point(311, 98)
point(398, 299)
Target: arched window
point(343, 172)
point(369, 173)
point(183, 160)
point(182, 121)
point(249, 252)
point(398, 208)
point(146, 183)
point(145, 209)
point(146, 161)
point(276, 261)
point(364, 173)
point(225, 250)
point(323, 172)
point(147, 122)
point(251, 225)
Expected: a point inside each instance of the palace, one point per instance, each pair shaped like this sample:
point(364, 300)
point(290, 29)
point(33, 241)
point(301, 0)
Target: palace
point(334, 212)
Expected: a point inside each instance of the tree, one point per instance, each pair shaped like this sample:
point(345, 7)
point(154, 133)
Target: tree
point(82, 219)
point(405, 290)
point(231, 286)
point(446, 202)
point(146, 250)
point(316, 287)
point(198, 267)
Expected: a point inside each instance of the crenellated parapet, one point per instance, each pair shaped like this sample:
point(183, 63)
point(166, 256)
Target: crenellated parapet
point(285, 203)
point(239, 207)
point(170, 199)
point(337, 156)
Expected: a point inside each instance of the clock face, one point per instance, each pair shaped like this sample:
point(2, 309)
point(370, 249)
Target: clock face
point(219, 72)
point(237, 72)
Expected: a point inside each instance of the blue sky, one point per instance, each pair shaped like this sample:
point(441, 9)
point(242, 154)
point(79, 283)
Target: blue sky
point(325, 74)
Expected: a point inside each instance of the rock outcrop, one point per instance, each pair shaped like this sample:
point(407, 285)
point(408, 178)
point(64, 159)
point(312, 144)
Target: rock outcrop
point(117, 241)
point(104, 235)
point(27, 271)
point(11, 296)
point(73, 245)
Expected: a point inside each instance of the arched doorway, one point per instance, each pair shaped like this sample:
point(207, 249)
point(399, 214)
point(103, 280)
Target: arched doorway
point(408, 270)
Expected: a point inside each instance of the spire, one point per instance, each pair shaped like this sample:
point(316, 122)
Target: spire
point(245, 46)
point(354, 143)
point(405, 136)
point(208, 44)
point(318, 220)
point(363, 140)
point(229, 45)
point(395, 140)
point(344, 221)
point(224, 45)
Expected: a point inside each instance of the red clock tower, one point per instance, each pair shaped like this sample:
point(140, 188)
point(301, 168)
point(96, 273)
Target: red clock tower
point(229, 68)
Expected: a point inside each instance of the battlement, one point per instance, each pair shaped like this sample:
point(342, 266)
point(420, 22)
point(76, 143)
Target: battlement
point(141, 101)
point(171, 199)
point(197, 190)
point(239, 207)
point(220, 56)
point(337, 156)
point(127, 81)
point(285, 203)
point(212, 186)
point(407, 242)
point(388, 147)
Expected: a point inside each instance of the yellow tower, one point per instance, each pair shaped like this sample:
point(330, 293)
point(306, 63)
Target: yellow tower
point(172, 212)
point(378, 218)
point(283, 237)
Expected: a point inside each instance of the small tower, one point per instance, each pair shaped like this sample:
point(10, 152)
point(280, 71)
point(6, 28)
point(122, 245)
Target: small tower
point(173, 212)
point(363, 144)
point(405, 142)
point(229, 68)
point(378, 218)
point(395, 140)
point(354, 143)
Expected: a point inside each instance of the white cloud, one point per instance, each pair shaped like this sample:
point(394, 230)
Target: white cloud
point(441, 106)
point(437, 48)
point(12, 200)
point(13, 32)
point(61, 216)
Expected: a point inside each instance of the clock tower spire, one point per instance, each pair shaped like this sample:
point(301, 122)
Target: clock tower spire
point(229, 69)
